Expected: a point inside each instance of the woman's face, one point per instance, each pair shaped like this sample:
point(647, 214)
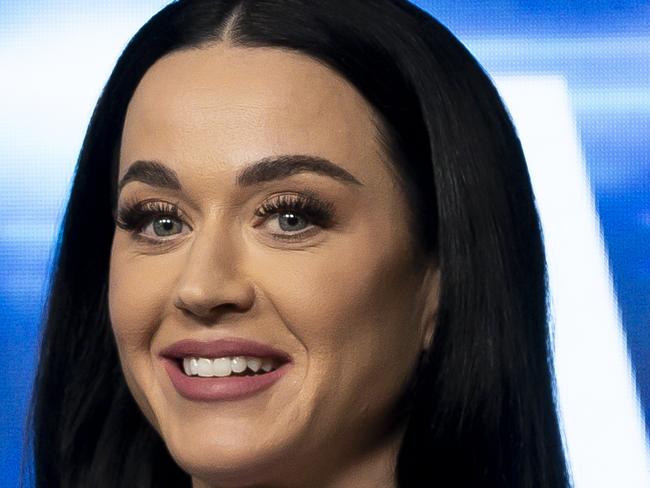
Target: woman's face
point(269, 216)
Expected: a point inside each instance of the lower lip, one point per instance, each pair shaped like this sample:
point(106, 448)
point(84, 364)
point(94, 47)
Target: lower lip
point(213, 389)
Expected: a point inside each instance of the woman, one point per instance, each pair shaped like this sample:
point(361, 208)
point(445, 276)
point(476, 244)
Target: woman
point(301, 249)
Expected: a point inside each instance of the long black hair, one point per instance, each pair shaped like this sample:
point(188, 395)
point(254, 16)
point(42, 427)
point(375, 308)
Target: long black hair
point(482, 412)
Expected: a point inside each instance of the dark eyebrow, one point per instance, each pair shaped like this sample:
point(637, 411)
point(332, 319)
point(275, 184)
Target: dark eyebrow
point(277, 167)
point(272, 168)
point(152, 173)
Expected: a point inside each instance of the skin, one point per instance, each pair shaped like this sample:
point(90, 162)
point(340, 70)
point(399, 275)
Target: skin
point(352, 303)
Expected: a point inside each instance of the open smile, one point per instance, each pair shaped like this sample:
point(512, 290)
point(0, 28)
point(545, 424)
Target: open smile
point(226, 369)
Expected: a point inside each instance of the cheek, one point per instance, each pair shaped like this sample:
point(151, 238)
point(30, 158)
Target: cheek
point(132, 305)
point(353, 310)
point(139, 286)
point(137, 297)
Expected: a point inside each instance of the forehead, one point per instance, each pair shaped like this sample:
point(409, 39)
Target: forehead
point(220, 107)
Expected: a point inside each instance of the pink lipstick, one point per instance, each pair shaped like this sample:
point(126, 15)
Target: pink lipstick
point(212, 357)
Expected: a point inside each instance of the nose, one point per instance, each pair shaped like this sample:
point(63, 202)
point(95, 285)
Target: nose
point(211, 280)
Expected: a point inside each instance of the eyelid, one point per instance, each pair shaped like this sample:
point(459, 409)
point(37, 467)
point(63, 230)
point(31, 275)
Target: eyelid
point(306, 203)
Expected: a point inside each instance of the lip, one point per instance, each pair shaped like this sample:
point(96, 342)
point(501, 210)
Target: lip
point(223, 347)
point(227, 388)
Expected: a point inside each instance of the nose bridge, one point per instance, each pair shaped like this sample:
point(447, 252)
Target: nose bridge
point(212, 276)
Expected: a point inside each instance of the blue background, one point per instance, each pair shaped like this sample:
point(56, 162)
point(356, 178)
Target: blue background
point(602, 48)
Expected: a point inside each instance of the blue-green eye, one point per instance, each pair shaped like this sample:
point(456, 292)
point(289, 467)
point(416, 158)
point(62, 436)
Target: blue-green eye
point(296, 216)
point(289, 221)
point(166, 226)
point(154, 221)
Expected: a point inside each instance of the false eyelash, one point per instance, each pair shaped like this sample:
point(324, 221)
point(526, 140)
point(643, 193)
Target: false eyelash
point(134, 217)
point(317, 211)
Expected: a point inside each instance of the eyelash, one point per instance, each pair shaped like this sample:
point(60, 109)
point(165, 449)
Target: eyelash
point(315, 210)
point(135, 217)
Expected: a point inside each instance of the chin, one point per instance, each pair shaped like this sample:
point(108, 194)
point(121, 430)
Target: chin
point(226, 469)
point(227, 460)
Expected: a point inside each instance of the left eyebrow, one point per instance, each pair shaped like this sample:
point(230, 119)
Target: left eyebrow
point(278, 167)
point(155, 173)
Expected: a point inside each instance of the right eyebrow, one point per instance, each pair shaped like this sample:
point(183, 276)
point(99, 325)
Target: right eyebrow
point(151, 173)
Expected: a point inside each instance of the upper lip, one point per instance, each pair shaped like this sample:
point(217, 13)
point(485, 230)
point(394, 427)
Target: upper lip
point(223, 348)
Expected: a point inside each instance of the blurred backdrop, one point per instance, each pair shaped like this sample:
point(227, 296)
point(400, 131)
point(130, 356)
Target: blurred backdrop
point(576, 79)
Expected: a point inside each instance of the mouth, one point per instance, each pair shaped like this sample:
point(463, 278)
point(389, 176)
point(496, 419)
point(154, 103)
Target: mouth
point(227, 366)
point(225, 369)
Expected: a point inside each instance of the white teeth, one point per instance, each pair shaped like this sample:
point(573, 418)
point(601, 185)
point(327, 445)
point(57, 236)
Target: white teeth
point(186, 366)
point(225, 366)
point(267, 365)
point(221, 367)
point(205, 367)
point(254, 364)
point(238, 364)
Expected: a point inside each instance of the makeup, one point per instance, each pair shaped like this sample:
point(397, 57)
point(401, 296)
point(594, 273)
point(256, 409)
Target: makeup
point(240, 245)
point(196, 369)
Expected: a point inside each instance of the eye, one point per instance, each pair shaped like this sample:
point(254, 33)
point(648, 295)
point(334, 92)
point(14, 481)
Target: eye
point(290, 221)
point(153, 221)
point(164, 226)
point(289, 215)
